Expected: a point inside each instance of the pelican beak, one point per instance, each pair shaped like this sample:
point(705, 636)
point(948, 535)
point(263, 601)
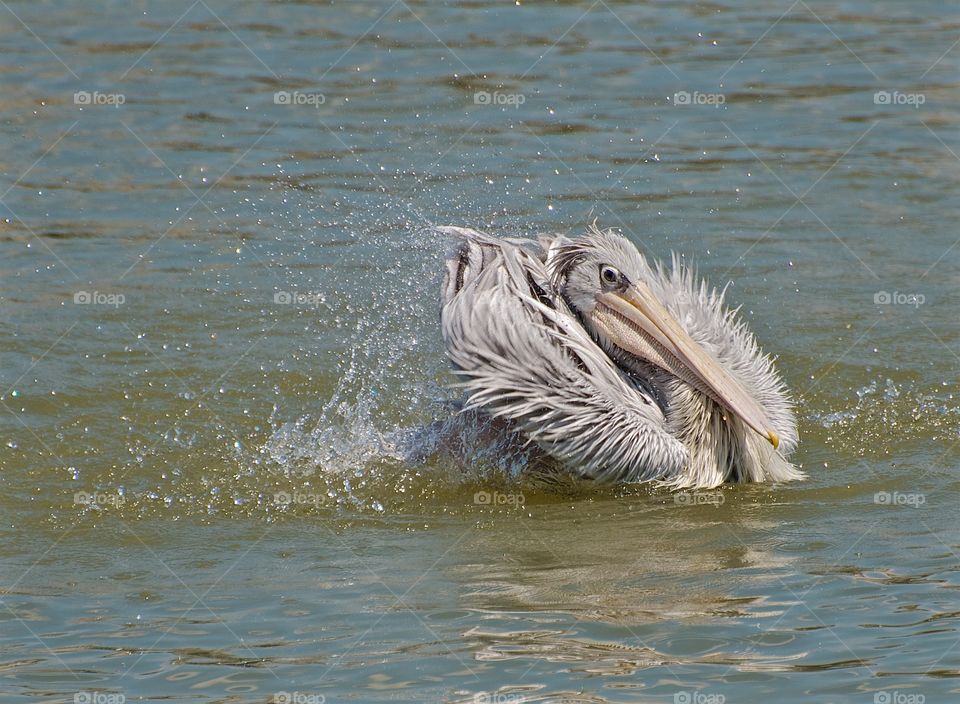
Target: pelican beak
point(632, 318)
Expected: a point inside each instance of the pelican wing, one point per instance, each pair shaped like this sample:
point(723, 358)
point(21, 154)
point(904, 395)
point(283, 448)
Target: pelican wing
point(521, 354)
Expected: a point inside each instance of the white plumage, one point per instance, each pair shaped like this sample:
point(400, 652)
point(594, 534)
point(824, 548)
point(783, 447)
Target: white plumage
point(564, 339)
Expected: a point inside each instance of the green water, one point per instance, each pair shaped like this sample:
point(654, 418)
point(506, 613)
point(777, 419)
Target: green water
point(226, 465)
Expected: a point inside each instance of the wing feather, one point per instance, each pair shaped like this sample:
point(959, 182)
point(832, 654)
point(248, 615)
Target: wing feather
point(521, 354)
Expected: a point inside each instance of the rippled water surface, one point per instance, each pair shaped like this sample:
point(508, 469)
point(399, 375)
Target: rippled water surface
point(229, 465)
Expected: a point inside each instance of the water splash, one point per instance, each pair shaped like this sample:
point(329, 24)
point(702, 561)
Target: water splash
point(462, 446)
point(393, 421)
point(886, 414)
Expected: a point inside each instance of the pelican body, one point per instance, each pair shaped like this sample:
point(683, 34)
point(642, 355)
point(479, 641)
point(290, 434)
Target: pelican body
point(619, 370)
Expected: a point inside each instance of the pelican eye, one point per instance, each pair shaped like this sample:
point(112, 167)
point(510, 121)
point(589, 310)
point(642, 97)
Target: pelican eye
point(609, 275)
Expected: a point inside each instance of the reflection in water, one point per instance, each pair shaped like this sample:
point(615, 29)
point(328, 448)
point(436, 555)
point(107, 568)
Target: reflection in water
point(604, 570)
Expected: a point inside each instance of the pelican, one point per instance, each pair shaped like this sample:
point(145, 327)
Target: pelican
point(621, 371)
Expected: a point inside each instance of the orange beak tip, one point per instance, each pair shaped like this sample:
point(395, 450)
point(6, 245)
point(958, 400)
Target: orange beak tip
point(774, 440)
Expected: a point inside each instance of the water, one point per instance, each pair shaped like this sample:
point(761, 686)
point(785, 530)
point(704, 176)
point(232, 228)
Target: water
point(229, 470)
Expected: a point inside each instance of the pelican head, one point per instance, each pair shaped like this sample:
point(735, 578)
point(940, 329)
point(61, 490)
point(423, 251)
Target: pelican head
point(711, 371)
